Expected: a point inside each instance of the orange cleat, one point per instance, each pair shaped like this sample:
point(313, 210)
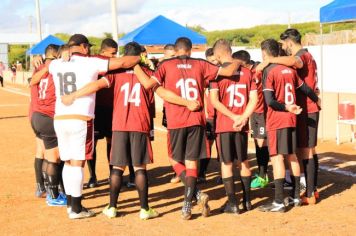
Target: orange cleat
point(309, 200)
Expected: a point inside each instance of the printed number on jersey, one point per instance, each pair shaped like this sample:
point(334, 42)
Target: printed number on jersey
point(236, 98)
point(289, 98)
point(132, 96)
point(67, 83)
point(43, 88)
point(188, 88)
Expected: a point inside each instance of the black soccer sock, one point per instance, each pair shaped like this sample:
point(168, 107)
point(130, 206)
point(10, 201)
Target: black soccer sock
point(278, 191)
point(264, 161)
point(53, 171)
point(92, 164)
point(309, 169)
point(132, 174)
point(258, 158)
point(246, 186)
point(61, 185)
point(69, 200)
point(44, 174)
point(38, 173)
point(115, 186)
point(76, 203)
point(190, 184)
point(230, 189)
point(203, 166)
point(295, 192)
point(108, 151)
point(316, 162)
point(141, 181)
point(183, 176)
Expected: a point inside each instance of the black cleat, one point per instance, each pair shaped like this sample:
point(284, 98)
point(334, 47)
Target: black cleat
point(92, 183)
point(186, 210)
point(230, 208)
point(247, 205)
point(273, 207)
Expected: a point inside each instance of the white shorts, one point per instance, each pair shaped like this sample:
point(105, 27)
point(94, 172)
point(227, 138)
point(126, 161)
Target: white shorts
point(75, 139)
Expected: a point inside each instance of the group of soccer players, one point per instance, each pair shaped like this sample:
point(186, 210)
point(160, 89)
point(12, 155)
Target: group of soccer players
point(77, 99)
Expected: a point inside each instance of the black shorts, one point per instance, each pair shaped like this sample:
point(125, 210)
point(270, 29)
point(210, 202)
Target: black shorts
point(282, 141)
point(103, 122)
point(130, 148)
point(188, 143)
point(258, 125)
point(232, 146)
point(210, 129)
point(307, 130)
point(44, 129)
point(152, 130)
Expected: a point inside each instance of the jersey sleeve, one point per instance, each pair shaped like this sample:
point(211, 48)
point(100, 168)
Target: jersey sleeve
point(159, 74)
point(267, 82)
point(210, 71)
point(99, 64)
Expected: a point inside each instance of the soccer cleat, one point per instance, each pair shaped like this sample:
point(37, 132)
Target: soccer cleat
point(247, 205)
point(186, 210)
point(202, 201)
point(309, 200)
point(259, 182)
point(92, 183)
point(110, 212)
point(61, 200)
point(230, 208)
point(316, 194)
point(40, 193)
point(69, 210)
point(289, 201)
point(85, 213)
point(273, 207)
point(175, 179)
point(149, 214)
point(130, 184)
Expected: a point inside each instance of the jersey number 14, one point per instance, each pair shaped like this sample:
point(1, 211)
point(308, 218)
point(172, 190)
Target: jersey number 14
point(132, 96)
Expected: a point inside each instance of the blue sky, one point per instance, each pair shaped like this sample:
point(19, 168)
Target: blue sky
point(93, 17)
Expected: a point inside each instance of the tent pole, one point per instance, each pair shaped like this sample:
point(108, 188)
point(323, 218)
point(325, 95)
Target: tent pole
point(38, 18)
point(115, 33)
point(322, 80)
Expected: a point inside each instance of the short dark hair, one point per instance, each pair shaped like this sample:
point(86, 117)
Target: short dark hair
point(108, 43)
point(169, 47)
point(132, 49)
point(209, 52)
point(183, 43)
point(271, 47)
point(292, 34)
point(222, 44)
point(242, 55)
point(50, 50)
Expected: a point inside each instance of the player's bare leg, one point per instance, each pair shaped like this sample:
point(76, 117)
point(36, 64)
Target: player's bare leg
point(38, 164)
point(228, 179)
point(245, 174)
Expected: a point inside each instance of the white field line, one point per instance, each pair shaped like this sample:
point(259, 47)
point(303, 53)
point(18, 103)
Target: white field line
point(15, 92)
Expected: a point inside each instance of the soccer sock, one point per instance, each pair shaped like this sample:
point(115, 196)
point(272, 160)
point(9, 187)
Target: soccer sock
point(61, 185)
point(258, 159)
point(295, 192)
point(53, 171)
point(190, 184)
point(180, 169)
point(302, 177)
point(316, 163)
point(115, 186)
point(76, 182)
point(203, 166)
point(44, 174)
point(278, 191)
point(92, 164)
point(309, 168)
point(66, 174)
point(246, 186)
point(264, 161)
point(230, 189)
point(132, 174)
point(108, 151)
point(288, 177)
point(142, 187)
point(38, 173)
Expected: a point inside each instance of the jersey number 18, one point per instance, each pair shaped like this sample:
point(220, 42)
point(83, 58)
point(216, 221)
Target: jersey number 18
point(67, 83)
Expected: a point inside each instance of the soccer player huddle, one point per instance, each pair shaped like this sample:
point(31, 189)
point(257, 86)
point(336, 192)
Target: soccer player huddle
point(77, 99)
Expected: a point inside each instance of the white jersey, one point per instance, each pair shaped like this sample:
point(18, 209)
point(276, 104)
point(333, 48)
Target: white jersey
point(70, 76)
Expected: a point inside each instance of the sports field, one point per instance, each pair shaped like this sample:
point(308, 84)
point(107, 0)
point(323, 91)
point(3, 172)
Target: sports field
point(23, 214)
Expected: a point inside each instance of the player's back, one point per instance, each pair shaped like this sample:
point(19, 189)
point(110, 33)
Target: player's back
point(46, 94)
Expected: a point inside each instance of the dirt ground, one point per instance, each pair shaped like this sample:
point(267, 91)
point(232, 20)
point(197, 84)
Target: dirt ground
point(23, 214)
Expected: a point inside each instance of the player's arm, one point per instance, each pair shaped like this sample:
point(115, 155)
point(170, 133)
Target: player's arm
point(215, 101)
point(36, 78)
point(251, 105)
point(291, 61)
point(230, 69)
point(277, 106)
point(146, 81)
point(169, 96)
point(86, 90)
point(304, 88)
point(123, 62)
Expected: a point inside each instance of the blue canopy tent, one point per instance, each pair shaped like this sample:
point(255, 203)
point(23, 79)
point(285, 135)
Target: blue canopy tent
point(160, 31)
point(335, 12)
point(40, 47)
